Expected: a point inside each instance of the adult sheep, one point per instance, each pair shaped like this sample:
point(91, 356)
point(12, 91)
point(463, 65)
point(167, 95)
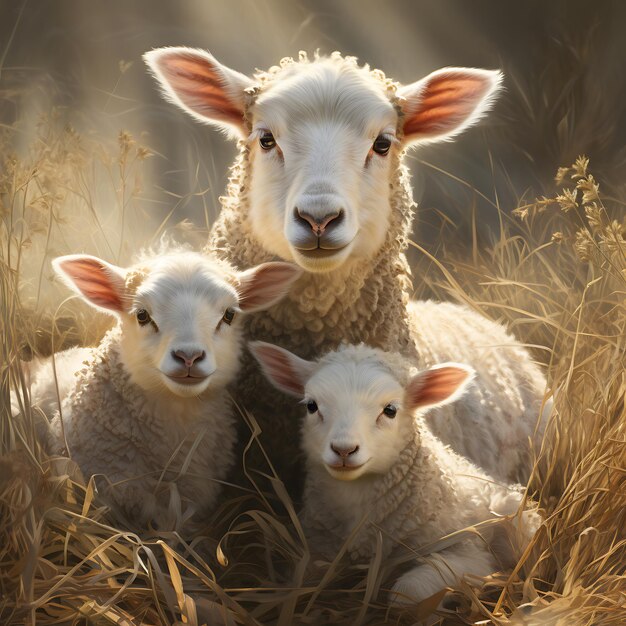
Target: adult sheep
point(320, 180)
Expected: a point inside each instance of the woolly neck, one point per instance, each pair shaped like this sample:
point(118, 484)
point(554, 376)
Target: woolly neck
point(391, 502)
point(343, 305)
point(352, 303)
point(105, 372)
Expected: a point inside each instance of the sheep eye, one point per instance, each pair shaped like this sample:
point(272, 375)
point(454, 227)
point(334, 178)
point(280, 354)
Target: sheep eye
point(229, 316)
point(267, 140)
point(143, 317)
point(311, 406)
point(381, 145)
point(390, 411)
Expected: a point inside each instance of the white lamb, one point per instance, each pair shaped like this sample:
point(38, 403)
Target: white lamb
point(148, 410)
point(320, 180)
point(370, 456)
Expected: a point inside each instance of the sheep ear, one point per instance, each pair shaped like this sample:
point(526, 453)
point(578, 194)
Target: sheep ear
point(265, 284)
point(198, 83)
point(99, 283)
point(284, 370)
point(447, 102)
point(438, 385)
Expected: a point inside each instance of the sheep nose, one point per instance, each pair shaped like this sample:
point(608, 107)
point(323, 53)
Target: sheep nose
point(318, 224)
point(345, 450)
point(188, 357)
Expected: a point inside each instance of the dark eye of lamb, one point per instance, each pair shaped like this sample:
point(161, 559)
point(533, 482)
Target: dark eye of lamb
point(229, 316)
point(311, 406)
point(267, 140)
point(381, 145)
point(390, 411)
point(143, 317)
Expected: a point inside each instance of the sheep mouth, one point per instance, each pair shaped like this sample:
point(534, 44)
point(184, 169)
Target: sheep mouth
point(187, 380)
point(345, 469)
point(321, 253)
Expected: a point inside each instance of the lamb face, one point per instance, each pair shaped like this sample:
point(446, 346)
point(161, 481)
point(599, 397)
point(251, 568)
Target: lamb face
point(178, 314)
point(360, 409)
point(356, 423)
point(175, 334)
point(324, 139)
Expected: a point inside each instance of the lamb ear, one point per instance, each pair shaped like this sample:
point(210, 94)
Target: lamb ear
point(198, 83)
point(265, 284)
point(446, 102)
point(284, 370)
point(99, 283)
point(438, 385)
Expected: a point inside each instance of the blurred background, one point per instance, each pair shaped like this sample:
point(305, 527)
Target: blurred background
point(79, 65)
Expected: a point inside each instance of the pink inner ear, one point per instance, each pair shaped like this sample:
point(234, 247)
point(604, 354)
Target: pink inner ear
point(266, 284)
point(200, 86)
point(279, 369)
point(447, 101)
point(435, 386)
point(95, 282)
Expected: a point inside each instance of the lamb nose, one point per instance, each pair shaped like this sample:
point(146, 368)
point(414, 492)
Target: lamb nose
point(318, 224)
point(188, 357)
point(344, 451)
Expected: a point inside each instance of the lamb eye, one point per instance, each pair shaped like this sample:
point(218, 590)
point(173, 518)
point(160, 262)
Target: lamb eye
point(143, 317)
point(229, 316)
point(311, 406)
point(381, 145)
point(267, 140)
point(390, 411)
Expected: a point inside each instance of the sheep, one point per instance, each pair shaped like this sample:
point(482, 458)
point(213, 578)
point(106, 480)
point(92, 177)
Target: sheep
point(371, 456)
point(149, 410)
point(320, 180)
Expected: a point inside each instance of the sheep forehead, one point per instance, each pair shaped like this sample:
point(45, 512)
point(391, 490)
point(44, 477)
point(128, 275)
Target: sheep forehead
point(325, 91)
point(196, 276)
point(354, 378)
point(394, 363)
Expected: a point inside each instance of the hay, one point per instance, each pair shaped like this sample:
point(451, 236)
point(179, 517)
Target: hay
point(556, 274)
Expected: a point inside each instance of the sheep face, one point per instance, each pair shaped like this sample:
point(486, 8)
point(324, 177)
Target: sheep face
point(324, 137)
point(319, 188)
point(178, 314)
point(175, 335)
point(356, 420)
point(360, 416)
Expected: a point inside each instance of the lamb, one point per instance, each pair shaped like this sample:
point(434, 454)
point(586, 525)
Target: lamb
point(149, 412)
point(320, 180)
point(370, 456)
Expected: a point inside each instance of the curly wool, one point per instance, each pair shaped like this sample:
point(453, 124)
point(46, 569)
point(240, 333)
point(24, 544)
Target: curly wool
point(367, 301)
point(114, 429)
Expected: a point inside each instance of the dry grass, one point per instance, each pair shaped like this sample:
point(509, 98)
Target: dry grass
point(555, 274)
